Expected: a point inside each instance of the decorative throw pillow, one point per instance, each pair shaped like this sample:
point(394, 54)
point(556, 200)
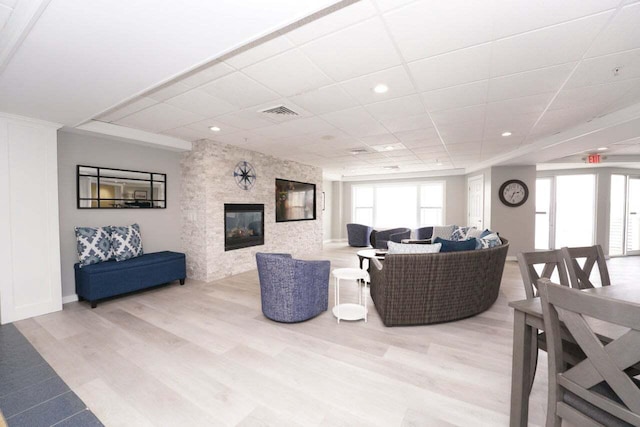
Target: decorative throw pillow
point(460, 233)
point(490, 240)
point(443, 232)
point(474, 233)
point(94, 245)
point(126, 242)
point(454, 246)
point(409, 248)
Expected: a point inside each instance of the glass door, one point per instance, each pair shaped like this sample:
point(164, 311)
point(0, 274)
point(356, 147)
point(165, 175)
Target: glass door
point(575, 210)
point(633, 217)
point(617, 215)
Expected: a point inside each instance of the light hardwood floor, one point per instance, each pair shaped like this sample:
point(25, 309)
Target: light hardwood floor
point(204, 355)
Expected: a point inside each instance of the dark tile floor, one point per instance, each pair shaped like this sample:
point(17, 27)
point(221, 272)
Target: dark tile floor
point(31, 393)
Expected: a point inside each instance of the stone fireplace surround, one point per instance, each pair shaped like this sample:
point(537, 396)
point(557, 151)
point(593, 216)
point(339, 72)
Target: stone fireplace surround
point(207, 184)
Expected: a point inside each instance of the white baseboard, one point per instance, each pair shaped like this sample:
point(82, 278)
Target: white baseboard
point(512, 258)
point(334, 241)
point(69, 298)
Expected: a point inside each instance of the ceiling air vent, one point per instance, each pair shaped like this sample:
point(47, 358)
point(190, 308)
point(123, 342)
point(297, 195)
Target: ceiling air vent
point(280, 110)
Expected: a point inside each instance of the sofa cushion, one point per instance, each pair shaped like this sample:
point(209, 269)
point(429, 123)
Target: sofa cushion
point(490, 240)
point(443, 232)
point(474, 233)
point(408, 248)
point(93, 244)
point(454, 246)
point(460, 233)
point(143, 260)
point(126, 242)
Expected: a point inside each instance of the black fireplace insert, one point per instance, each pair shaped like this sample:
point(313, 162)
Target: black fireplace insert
point(243, 225)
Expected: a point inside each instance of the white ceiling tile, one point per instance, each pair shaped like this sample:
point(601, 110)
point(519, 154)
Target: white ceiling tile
point(295, 128)
point(130, 108)
point(517, 106)
point(207, 75)
point(201, 103)
point(396, 79)
point(452, 69)
point(459, 116)
point(622, 33)
point(457, 134)
point(243, 138)
point(245, 120)
point(333, 22)
point(396, 108)
point(168, 91)
point(9, 3)
point(607, 69)
point(356, 122)
point(518, 16)
point(408, 123)
point(186, 133)
point(289, 74)
point(545, 47)
point(597, 95)
point(529, 83)
point(203, 128)
point(358, 50)
point(386, 5)
point(258, 53)
point(382, 139)
point(427, 28)
point(239, 90)
point(325, 100)
point(426, 135)
point(5, 13)
point(456, 96)
point(159, 117)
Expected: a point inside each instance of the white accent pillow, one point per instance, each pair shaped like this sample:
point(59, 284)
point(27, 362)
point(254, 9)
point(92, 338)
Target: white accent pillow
point(443, 232)
point(474, 233)
point(413, 248)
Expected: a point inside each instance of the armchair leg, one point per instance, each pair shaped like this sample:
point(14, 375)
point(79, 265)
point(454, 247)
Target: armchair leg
point(182, 282)
point(94, 304)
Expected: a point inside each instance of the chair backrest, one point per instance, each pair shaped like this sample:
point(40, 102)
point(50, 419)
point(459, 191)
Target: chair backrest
point(575, 390)
point(552, 260)
point(580, 276)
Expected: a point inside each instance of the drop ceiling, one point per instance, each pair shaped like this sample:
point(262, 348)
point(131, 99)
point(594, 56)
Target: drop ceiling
point(459, 74)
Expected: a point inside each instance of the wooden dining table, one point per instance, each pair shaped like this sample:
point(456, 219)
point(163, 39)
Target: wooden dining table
point(528, 319)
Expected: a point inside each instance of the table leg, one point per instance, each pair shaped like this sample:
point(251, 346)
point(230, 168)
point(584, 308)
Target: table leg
point(337, 288)
point(520, 370)
point(364, 295)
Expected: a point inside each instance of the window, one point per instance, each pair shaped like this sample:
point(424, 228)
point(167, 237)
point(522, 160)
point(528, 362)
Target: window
point(410, 205)
point(575, 210)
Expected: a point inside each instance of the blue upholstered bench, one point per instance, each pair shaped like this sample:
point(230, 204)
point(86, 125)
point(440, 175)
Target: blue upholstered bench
point(107, 279)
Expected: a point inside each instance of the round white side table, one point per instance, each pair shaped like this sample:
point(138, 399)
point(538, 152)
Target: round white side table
point(350, 311)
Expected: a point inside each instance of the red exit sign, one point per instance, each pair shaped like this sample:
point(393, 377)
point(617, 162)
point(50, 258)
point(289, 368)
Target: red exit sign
point(593, 158)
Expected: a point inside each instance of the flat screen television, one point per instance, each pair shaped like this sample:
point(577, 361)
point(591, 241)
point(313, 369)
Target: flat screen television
point(295, 201)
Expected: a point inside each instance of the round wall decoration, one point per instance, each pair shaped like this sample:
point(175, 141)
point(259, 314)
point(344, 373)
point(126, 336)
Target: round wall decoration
point(513, 193)
point(245, 175)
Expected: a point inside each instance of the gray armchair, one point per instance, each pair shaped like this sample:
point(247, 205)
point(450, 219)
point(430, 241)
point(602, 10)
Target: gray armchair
point(379, 239)
point(292, 290)
point(358, 235)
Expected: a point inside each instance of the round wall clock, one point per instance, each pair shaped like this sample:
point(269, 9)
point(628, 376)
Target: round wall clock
point(513, 193)
point(245, 175)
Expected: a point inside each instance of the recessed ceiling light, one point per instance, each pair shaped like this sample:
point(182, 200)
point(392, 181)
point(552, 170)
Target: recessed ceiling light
point(388, 148)
point(602, 148)
point(381, 88)
point(214, 128)
point(507, 133)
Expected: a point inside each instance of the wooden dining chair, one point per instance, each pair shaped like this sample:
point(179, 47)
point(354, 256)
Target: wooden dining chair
point(580, 277)
point(596, 391)
point(551, 261)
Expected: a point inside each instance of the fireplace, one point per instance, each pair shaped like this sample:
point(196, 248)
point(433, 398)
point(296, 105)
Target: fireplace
point(243, 226)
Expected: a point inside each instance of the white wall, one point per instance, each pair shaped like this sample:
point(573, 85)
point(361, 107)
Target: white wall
point(516, 224)
point(160, 228)
point(455, 210)
point(29, 240)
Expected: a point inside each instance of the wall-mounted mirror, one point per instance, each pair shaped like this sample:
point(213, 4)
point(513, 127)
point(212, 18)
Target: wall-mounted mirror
point(103, 188)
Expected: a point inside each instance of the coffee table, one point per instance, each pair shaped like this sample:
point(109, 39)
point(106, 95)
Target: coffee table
point(369, 254)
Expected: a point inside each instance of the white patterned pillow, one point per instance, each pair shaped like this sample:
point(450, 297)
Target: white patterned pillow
point(474, 233)
point(126, 242)
point(460, 233)
point(488, 241)
point(93, 244)
point(443, 232)
point(415, 248)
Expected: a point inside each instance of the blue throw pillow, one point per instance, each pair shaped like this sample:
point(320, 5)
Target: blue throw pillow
point(93, 244)
point(453, 246)
point(126, 242)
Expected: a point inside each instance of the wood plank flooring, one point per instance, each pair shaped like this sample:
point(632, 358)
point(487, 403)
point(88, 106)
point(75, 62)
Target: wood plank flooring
point(204, 355)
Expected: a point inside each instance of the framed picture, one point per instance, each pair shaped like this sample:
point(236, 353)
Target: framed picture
point(140, 195)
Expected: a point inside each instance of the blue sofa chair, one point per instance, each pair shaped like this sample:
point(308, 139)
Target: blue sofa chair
point(107, 279)
point(424, 233)
point(358, 235)
point(379, 239)
point(292, 290)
